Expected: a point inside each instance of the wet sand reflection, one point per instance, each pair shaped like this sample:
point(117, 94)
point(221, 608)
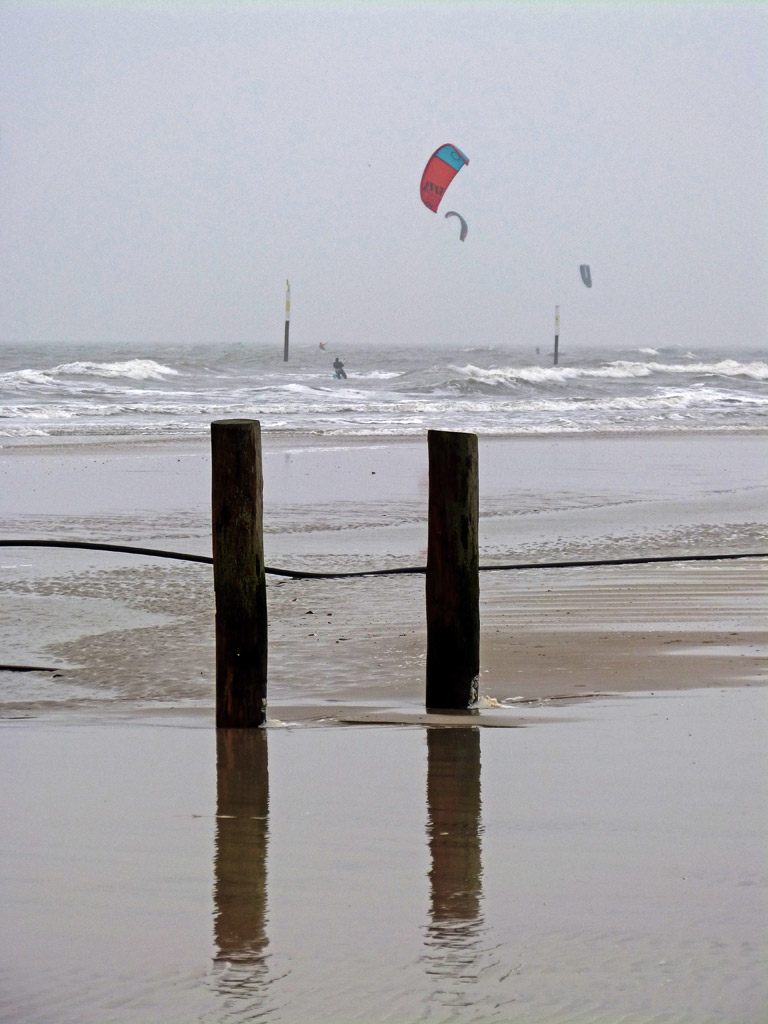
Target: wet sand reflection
point(454, 835)
point(454, 953)
point(240, 862)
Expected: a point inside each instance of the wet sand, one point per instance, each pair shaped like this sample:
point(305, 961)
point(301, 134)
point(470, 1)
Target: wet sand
point(340, 645)
point(600, 855)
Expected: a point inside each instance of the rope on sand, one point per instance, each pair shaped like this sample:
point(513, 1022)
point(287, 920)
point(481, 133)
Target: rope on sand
point(94, 546)
point(399, 571)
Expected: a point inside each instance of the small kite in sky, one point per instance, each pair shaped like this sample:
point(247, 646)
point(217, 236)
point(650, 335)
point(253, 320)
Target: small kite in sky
point(586, 275)
point(452, 213)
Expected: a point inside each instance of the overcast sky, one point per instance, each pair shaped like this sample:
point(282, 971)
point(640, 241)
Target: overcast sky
point(166, 165)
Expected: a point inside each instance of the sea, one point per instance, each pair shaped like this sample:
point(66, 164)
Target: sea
point(103, 391)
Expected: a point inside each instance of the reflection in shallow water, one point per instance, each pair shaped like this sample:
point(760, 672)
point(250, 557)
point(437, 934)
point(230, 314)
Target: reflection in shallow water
point(455, 955)
point(240, 863)
point(595, 881)
point(453, 829)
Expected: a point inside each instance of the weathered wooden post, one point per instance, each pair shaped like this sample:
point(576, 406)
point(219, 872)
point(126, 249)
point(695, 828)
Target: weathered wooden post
point(453, 578)
point(238, 574)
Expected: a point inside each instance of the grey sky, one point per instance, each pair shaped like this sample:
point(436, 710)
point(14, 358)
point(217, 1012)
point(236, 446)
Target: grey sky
point(165, 166)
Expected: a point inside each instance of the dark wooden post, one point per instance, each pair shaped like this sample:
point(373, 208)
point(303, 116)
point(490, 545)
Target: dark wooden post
point(453, 580)
point(238, 574)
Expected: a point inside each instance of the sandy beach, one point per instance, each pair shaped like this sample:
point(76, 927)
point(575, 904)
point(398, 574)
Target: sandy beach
point(334, 644)
point(603, 854)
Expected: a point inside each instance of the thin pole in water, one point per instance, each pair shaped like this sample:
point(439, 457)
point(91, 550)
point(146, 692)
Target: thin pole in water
point(287, 318)
point(557, 331)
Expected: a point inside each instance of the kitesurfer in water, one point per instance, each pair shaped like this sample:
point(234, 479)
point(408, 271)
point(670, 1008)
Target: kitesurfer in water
point(339, 368)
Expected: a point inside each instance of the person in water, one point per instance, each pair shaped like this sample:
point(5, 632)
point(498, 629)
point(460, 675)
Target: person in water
point(339, 368)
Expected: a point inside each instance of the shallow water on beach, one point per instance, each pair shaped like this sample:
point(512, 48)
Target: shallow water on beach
point(606, 867)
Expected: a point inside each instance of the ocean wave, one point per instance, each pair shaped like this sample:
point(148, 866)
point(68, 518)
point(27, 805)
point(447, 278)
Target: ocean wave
point(94, 392)
point(312, 407)
point(59, 377)
point(133, 369)
point(26, 378)
point(724, 368)
point(619, 370)
point(666, 399)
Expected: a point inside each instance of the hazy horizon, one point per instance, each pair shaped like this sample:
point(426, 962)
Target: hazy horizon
point(166, 168)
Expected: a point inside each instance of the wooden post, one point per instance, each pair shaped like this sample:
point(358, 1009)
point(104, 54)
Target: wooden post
point(238, 574)
point(453, 579)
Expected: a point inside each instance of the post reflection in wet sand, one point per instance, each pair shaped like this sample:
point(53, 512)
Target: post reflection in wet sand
point(240, 862)
point(454, 835)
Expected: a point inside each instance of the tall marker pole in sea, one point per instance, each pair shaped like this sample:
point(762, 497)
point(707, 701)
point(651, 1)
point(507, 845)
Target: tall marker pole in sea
point(557, 332)
point(287, 318)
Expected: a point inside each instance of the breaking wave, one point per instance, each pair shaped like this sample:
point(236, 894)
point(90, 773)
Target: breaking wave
point(390, 392)
point(619, 370)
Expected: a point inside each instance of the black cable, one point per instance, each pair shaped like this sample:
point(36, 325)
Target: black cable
point(93, 546)
point(400, 571)
point(625, 561)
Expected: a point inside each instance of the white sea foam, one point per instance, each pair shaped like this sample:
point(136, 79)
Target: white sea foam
point(724, 368)
point(300, 389)
point(33, 378)
point(378, 375)
point(133, 369)
point(621, 369)
point(399, 392)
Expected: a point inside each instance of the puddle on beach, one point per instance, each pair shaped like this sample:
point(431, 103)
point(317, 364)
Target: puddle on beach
point(608, 866)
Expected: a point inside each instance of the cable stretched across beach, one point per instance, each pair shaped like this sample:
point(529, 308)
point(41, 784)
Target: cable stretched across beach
point(411, 570)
